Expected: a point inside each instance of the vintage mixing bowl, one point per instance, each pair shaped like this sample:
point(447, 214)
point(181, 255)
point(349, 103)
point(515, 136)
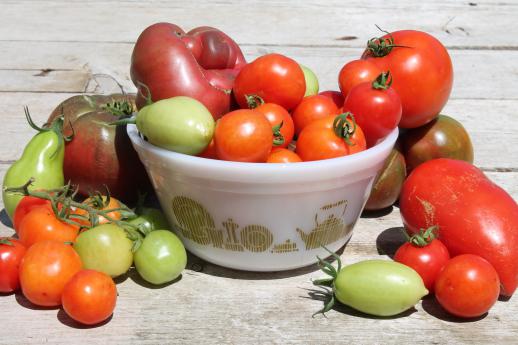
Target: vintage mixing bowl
point(261, 217)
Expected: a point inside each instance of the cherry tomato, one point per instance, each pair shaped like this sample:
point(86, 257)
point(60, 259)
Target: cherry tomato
point(243, 135)
point(356, 72)
point(336, 96)
point(376, 108)
point(319, 141)
point(100, 203)
point(11, 254)
point(275, 78)
point(282, 155)
point(277, 115)
point(468, 286)
point(41, 224)
point(422, 70)
point(45, 269)
point(312, 108)
point(89, 297)
point(425, 254)
point(24, 206)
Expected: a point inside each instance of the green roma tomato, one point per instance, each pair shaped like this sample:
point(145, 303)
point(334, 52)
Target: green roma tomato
point(379, 287)
point(161, 257)
point(311, 81)
point(181, 124)
point(444, 137)
point(105, 248)
point(388, 182)
point(150, 219)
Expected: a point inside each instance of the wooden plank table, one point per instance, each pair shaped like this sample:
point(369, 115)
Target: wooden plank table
point(50, 50)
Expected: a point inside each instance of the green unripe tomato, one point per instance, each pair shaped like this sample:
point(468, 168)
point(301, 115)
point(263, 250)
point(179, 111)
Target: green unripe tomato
point(105, 248)
point(181, 124)
point(161, 257)
point(150, 219)
point(379, 287)
point(311, 81)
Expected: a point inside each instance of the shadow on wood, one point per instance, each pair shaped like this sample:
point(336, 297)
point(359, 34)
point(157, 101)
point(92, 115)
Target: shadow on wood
point(432, 307)
point(4, 218)
point(135, 276)
point(24, 302)
point(68, 321)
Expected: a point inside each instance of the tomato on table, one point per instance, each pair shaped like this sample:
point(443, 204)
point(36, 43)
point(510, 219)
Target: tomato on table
point(100, 202)
point(312, 108)
point(11, 254)
point(356, 72)
point(45, 269)
point(25, 206)
point(282, 155)
point(89, 297)
point(278, 116)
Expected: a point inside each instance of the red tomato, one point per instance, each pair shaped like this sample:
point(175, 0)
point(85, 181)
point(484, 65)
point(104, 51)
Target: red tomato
point(468, 286)
point(376, 108)
point(426, 255)
point(11, 254)
point(312, 108)
point(422, 71)
point(274, 78)
point(474, 215)
point(277, 115)
point(282, 155)
point(89, 297)
point(244, 136)
point(41, 224)
point(45, 269)
point(356, 72)
point(24, 206)
point(336, 96)
point(210, 151)
point(319, 140)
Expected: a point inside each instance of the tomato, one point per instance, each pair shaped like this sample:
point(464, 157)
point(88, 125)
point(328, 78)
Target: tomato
point(11, 254)
point(101, 203)
point(45, 269)
point(105, 248)
point(273, 77)
point(89, 297)
point(376, 108)
point(277, 115)
point(312, 108)
point(443, 137)
point(282, 155)
point(388, 182)
point(311, 81)
point(474, 215)
point(150, 219)
point(356, 72)
point(161, 257)
point(243, 135)
point(336, 96)
point(210, 151)
point(468, 286)
point(425, 254)
point(181, 124)
point(319, 141)
point(422, 71)
point(41, 224)
point(25, 206)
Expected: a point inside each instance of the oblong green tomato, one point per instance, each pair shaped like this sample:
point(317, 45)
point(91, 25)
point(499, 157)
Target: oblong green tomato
point(311, 81)
point(379, 287)
point(150, 219)
point(105, 248)
point(161, 257)
point(181, 124)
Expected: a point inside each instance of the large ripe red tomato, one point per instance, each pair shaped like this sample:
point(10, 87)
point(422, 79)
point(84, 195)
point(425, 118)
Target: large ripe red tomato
point(277, 115)
point(244, 136)
point(474, 215)
point(312, 108)
point(11, 254)
point(467, 286)
point(336, 96)
point(274, 78)
point(41, 224)
point(319, 140)
point(376, 108)
point(356, 72)
point(45, 269)
point(25, 206)
point(422, 71)
point(89, 297)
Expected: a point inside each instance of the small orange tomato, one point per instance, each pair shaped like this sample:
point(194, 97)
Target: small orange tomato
point(277, 115)
point(89, 297)
point(312, 108)
point(281, 155)
point(96, 203)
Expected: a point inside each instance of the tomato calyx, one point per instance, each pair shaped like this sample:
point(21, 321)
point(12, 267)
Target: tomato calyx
point(379, 46)
point(328, 282)
point(278, 138)
point(253, 101)
point(383, 81)
point(424, 237)
point(56, 126)
point(344, 127)
point(119, 108)
point(5, 241)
